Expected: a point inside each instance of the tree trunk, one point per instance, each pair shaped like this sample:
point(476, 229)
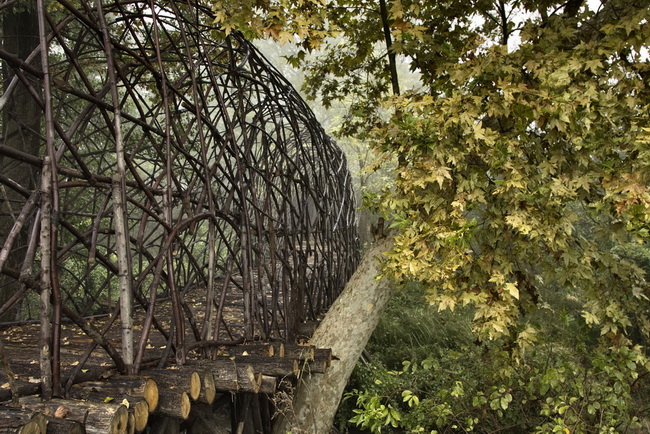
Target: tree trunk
point(345, 329)
point(392, 61)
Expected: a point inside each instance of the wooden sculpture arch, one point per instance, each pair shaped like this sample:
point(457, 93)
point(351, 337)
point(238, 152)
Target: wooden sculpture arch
point(145, 155)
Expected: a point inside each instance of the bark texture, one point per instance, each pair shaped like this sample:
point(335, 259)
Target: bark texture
point(345, 329)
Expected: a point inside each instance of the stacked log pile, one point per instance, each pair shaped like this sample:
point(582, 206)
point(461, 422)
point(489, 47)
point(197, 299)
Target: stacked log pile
point(138, 394)
point(164, 398)
point(119, 404)
point(97, 417)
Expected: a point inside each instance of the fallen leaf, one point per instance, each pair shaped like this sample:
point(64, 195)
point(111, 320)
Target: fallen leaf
point(61, 412)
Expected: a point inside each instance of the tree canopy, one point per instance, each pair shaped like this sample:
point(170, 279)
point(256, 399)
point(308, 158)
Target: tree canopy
point(519, 164)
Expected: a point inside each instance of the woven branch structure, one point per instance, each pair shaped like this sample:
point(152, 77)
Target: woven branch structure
point(146, 155)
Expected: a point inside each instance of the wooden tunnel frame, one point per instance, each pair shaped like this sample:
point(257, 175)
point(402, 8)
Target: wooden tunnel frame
point(146, 155)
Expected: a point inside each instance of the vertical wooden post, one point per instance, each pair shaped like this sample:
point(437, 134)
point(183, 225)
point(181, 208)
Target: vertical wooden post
point(124, 269)
point(119, 205)
point(177, 312)
point(54, 202)
point(209, 322)
point(207, 331)
point(46, 282)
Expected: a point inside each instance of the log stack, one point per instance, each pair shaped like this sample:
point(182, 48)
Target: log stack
point(125, 404)
point(139, 394)
point(131, 388)
point(178, 386)
point(97, 417)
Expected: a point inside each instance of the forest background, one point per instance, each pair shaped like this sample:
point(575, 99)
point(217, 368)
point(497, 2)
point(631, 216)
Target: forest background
point(506, 145)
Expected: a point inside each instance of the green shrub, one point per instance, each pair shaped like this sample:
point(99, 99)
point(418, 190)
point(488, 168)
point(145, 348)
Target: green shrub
point(428, 374)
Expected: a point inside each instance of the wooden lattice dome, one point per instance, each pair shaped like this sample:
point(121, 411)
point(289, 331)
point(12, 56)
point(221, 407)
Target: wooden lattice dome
point(145, 156)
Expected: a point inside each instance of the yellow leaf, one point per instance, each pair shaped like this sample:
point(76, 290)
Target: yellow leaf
point(446, 302)
point(512, 290)
point(285, 37)
point(590, 318)
point(108, 399)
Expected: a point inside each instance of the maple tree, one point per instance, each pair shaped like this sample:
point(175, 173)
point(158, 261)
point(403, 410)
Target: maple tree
point(522, 161)
point(500, 171)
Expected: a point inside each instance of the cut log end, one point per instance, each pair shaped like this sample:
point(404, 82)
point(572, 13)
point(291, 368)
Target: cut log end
point(195, 386)
point(76, 428)
point(268, 384)
point(130, 424)
point(185, 406)
point(174, 403)
point(151, 394)
point(31, 427)
point(120, 420)
point(209, 390)
point(41, 420)
point(248, 376)
point(141, 414)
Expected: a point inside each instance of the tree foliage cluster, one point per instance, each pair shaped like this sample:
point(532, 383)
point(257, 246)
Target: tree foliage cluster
point(520, 195)
point(427, 373)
